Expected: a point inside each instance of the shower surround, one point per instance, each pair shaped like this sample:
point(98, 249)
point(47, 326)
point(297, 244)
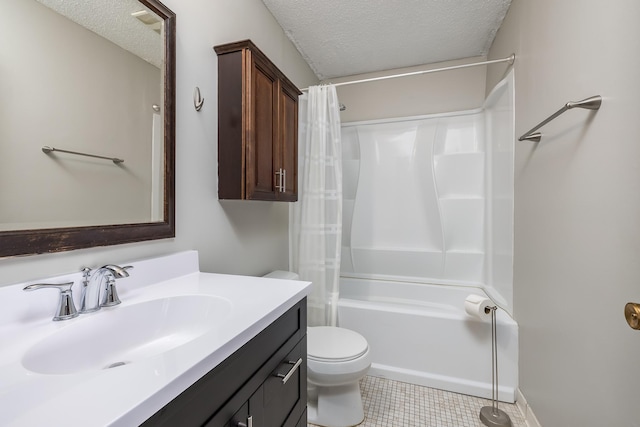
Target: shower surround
point(429, 201)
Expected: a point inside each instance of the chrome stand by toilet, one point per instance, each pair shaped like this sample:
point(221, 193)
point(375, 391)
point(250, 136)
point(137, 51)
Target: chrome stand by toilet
point(492, 416)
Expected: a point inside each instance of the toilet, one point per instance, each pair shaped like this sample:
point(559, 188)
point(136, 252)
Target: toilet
point(337, 358)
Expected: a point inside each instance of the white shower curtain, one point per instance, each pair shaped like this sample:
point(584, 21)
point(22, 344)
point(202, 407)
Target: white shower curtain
point(316, 220)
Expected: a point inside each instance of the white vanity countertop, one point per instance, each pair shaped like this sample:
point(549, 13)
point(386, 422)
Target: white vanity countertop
point(127, 395)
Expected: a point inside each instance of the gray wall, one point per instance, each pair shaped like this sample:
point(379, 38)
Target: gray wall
point(577, 208)
point(232, 237)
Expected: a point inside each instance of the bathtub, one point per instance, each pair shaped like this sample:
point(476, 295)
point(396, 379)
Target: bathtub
point(419, 333)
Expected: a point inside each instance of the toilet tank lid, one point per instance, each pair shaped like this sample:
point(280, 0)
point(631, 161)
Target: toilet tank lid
point(279, 274)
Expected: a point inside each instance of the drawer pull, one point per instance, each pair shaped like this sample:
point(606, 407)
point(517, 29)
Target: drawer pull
point(281, 175)
point(248, 424)
point(284, 180)
point(296, 365)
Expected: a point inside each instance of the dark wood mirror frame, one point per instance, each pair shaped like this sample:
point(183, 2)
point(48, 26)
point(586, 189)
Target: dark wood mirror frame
point(36, 241)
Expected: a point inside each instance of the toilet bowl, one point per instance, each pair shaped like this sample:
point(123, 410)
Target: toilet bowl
point(337, 358)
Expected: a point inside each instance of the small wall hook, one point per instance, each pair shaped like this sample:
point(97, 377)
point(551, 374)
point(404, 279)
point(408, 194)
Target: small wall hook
point(198, 100)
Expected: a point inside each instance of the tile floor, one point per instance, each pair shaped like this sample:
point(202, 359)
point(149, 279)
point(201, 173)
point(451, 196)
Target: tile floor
point(390, 403)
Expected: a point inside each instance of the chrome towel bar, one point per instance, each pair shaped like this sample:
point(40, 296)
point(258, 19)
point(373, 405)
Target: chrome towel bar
point(591, 103)
point(46, 149)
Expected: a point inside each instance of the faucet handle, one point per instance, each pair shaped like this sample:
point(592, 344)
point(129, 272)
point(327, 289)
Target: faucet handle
point(66, 307)
point(110, 297)
point(117, 271)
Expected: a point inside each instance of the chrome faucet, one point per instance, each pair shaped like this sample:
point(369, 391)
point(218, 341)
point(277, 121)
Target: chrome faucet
point(93, 281)
point(99, 287)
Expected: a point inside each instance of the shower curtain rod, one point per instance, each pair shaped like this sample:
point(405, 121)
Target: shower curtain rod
point(510, 59)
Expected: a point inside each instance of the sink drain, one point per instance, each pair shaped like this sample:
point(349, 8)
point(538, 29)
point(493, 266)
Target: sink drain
point(115, 365)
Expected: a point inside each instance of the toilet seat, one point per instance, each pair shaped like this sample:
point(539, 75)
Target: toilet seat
point(332, 344)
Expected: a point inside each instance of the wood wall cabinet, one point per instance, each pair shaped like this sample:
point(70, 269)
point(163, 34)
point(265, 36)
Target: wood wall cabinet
point(250, 384)
point(257, 126)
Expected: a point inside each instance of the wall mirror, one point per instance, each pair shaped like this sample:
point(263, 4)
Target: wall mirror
point(92, 77)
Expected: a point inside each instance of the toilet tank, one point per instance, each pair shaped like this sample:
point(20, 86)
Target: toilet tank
point(279, 274)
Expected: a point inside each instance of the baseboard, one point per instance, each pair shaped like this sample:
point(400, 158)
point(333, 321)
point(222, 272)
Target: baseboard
point(525, 409)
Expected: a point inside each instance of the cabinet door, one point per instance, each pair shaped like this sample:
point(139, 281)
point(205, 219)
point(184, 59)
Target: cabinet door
point(285, 391)
point(288, 123)
point(261, 131)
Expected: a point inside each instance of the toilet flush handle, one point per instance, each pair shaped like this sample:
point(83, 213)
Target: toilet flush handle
point(296, 365)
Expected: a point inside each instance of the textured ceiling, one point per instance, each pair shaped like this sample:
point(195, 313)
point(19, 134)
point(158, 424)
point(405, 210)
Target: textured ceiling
point(345, 37)
point(113, 21)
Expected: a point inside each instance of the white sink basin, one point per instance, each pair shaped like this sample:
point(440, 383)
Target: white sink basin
point(126, 334)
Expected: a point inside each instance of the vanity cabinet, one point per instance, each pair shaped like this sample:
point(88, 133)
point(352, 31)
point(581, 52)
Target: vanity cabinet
point(257, 126)
point(249, 387)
